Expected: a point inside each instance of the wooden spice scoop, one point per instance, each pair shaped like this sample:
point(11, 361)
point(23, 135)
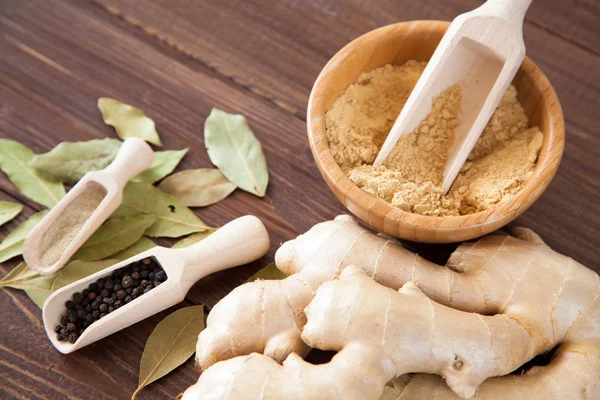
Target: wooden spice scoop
point(238, 242)
point(80, 213)
point(481, 52)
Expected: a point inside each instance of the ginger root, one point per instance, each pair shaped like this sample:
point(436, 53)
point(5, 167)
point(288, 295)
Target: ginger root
point(381, 334)
point(518, 298)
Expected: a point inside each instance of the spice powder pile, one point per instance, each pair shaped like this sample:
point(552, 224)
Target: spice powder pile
point(501, 162)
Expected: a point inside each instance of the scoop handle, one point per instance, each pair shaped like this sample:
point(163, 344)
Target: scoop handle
point(239, 242)
point(512, 11)
point(134, 156)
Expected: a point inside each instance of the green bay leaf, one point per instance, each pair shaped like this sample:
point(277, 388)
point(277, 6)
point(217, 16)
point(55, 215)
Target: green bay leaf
point(8, 211)
point(12, 245)
point(198, 187)
point(270, 272)
point(113, 236)
point(172, 343)
point(70, 161)
point(193, 239)
point(173, 219)
point(138, 247)
point(128, 121)
point(14, 162)
point(164, 163)
point(79, 269)
point(39, 287)
point(234, 149)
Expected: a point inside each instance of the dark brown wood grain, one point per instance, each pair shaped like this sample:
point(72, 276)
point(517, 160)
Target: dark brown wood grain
point(176, 59)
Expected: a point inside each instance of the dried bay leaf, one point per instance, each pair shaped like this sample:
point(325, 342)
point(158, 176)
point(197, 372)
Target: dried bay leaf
point(39, 287)
point(128, 121)
point(173, 219)
point(14, 162)
point(192, 239)
point(79, 269)
point(234, 149)
point(70, 161)
point(138, 247)
point(8, 211)
point(12, 245)
point(113, 236)
point(172, 343)
point(270, 272)
point(198, 187)
point(164, 163)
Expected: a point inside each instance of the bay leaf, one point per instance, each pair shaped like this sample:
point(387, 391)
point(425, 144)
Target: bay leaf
point(198, 187)
point(270, 272)
point(173, 219)
point(9, 210)
point(39, 287)
point(14, 162)
point(234, 149)
point(193, 239)
point(79, 269)
point(138, 247)
point(113, 236)
point(70, 161)
point(164, 163)
point(12, 245)
point(172, 343)
point(128, 121)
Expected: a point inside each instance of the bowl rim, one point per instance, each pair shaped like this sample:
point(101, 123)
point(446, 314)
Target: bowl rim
point(377, 208)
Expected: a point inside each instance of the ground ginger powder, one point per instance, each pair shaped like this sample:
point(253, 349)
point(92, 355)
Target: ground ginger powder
point(360, 119)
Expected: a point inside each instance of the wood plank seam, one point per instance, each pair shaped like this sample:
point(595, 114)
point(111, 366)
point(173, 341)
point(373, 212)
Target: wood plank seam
point(173, 45)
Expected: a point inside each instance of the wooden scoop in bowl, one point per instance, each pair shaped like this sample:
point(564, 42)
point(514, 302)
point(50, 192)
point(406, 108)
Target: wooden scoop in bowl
point(481, 52)
point(238, 242)
point(80, 213)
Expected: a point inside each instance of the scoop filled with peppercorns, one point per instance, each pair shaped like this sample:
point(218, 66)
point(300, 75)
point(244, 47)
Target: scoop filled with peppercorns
point(119, 296)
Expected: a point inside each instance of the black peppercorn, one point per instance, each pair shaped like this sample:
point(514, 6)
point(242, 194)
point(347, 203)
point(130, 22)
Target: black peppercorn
point(100, 283)
point(72, 316)
point(108, 284)
point(143, 274)
point(96, 303)
point(135, 275)
point(144, 283)
point(127, 299)
point(77, 297)
point(61, 337)
point(161, 276)
point(126, 282)
point(151, 276)
point(102, 315)
point(103, 308)
point(128, 290)
point(89, 319)
point(96, 314)
point(110, 309)
point(94, 287)
point(118, 304)
point(85, 292)
point(116, 287)
point(64, 320)
point(58, 328)
point(147, 289)
point(135, 268)
point(146, 261)
point(81, 313)
point(70, 305)
point(91, 295)
point(157, 283)
point(85, 301)
point(136, 292)
point(121, 294)
point(71, 327)
point(88, 308)
point(135, 283)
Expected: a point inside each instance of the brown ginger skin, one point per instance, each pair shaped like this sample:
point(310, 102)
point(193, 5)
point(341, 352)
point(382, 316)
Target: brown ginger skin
point(538, 297)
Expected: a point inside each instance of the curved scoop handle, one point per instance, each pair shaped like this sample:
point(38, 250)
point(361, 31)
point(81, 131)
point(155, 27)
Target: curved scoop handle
point(134, 156)
point(239, 242)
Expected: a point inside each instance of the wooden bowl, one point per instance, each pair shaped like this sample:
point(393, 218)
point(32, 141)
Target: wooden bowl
point(396, 44)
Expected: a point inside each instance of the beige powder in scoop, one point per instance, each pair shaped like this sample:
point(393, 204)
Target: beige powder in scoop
point(501, 162)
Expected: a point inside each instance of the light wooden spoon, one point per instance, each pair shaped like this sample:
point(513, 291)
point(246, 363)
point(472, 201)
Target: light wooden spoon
point(238, 242)
point(81, 212)
point(481, 51)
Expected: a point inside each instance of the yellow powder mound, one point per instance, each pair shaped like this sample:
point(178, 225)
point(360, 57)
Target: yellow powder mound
point(359, 121)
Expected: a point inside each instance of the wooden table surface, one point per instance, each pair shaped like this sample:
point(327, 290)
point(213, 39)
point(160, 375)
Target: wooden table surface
point(176, 59)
